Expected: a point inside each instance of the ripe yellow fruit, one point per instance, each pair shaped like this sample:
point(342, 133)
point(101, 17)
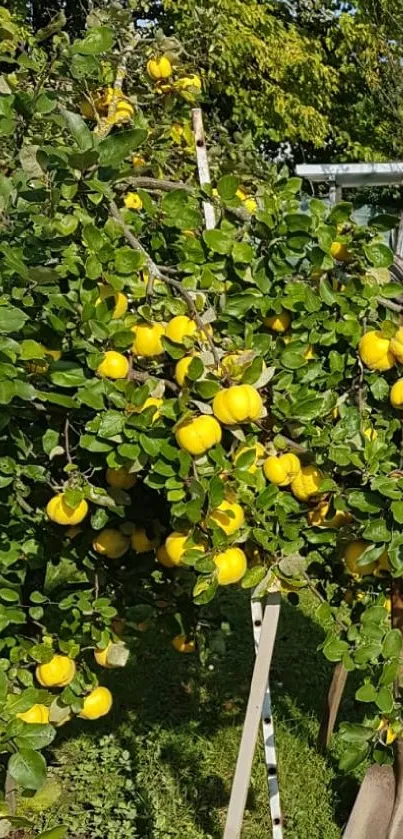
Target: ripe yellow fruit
point(163, 558)
point(259, 451)
point(151, 401)
point(234, 365)
point(278, 323)
point(375, 351)
point(231, 566)
point(396, 345)
point(306, 484)
point(249, 203)
point(340, 252)
point(182, 645)
point(57, 673)
point(101, 656)
point(121, 302)
point(147, 339)
point(281, 470)
point(229, 515)
point(124, 112)
point(132, 201)
point(181, 369)
point(61, 513)
point(113, 366)
point(159, 68)
point(351, 555)
point(370, 433)
point(120, 478)
point(54, 354)
point(35, 714)
point(140, 541)
point(239, 403)
point(111, 543)
point(96, 704)
point(388, 605)
point(189, 82)
point(180, 327)
point(137, 160)
point(396, 394)
point(317, 517)
point(309, 353)
point(177, 544)
point(198, 435)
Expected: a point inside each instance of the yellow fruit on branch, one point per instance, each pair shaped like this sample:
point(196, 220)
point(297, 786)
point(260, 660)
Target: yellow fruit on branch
point(177, 544)
point(396, 394)
point(396, 345)
point(106, 292)
point(163, 558)
point(56, 673)
point(340, 252)
point(137, 160)
point(140, 541)
point(180, 327)
point(229, 516)
point(120, 478)
point(259, 452)
point(234, 365)
point(198, 435)
point(183, 644)
point(152, 401)
point(101, 656)
point(111, 543)
point(182, 368)
point(189, 82)
point(317, 517)
point(147, 339)
point(159, 68)
point(370, 433)
point(375, 351)
point(114, 365)
point(96, 704)
point(133, 201)
point(231, 566)
point(249, 203)
point(306, 484)
point(59, 511)
point(281, 470)
point(352, 554)
point(278, 323)
point(124, 112)
point(239, 403)
point(36, 714)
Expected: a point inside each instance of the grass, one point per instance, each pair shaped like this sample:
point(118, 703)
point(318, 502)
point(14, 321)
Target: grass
point(166, 770)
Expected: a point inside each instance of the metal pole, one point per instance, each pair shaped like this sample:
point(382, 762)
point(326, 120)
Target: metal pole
point(240, 785)
point(270, 755)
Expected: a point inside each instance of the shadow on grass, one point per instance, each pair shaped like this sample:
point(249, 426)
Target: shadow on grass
point(171, 702)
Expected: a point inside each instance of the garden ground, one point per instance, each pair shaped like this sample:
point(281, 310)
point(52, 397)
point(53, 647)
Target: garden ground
point(166, 770)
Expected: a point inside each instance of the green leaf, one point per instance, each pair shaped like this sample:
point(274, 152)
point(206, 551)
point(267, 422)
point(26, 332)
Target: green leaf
point(379, 388)
point(379, 255)
point(366, 693)
point(67, 374)
point(354, 733)
point(376, 531)
point(227, 187)
point(366, 502)
point(3, 686)
point(384, 700)
point(11, 319)
point(114, 149)
point(335, 649)
point(78, 129)
point(99, 39)
point(128, 261)
point(389, 673)
point(216, 491)
point(218, 241)
point(352, 757)
point(35, 736)
point(253, 577)
point(28, 768)
point(326, 292)
point(58, 832)
point(397, 511)
point(50, 439)
point(392, 644)
point(242, 252)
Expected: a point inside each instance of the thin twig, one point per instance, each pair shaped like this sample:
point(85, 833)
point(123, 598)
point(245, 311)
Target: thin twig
point(67, 441)
point(157, 185)
point(139, 376)
point(156, 273)
point(322, 599)
point(388, 304)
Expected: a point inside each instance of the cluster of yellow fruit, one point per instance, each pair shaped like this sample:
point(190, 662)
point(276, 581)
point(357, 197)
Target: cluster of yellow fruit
point(380, 353)
point(100, 104)
point(58, 673)
point(160, 70)
point(231, 564)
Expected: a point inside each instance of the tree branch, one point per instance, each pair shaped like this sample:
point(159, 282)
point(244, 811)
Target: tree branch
point(156, 273)
point(67, 441)
point(140, 376)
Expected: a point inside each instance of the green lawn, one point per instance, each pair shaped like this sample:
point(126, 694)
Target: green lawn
point(166, 770)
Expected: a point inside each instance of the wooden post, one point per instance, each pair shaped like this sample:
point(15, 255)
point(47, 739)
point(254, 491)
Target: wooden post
point(240, 785)
point(202, 164)
point(331, 706)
